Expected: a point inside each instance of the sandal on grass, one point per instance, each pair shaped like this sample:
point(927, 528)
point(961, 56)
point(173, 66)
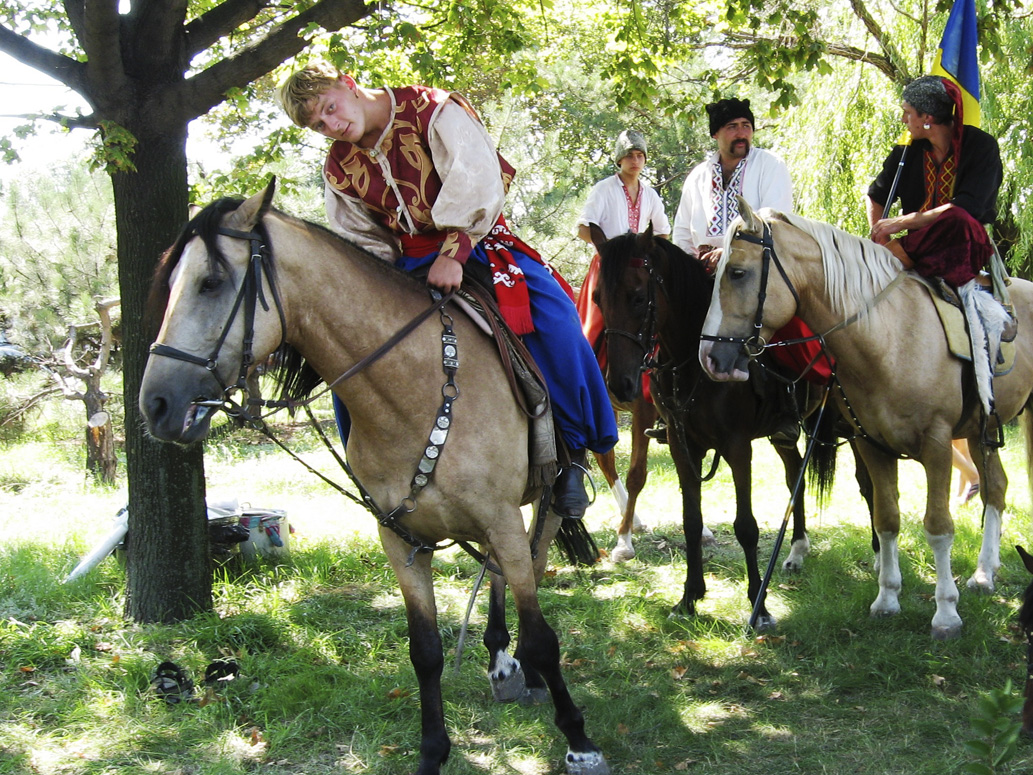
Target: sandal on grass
point(172, 684)
point(220, 671)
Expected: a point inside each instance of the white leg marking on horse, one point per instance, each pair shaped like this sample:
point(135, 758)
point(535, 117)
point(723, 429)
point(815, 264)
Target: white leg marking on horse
point(624, 550)
point(989, 553)
point(799, 550)
point(620, 494)
point(590, 763)
point(507, 678)
point(946, 622)
point(887, 603)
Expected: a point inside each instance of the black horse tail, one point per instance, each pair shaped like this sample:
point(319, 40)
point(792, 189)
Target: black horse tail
point(577, 543)
point(821, 468)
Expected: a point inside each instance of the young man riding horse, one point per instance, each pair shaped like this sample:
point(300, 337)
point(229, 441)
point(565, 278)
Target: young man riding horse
point(414, 177)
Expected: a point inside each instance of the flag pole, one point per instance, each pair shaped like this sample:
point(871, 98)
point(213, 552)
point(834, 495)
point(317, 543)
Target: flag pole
point(896, 181)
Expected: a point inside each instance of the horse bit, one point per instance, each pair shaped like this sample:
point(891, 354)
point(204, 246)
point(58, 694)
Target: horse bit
point(248, 296)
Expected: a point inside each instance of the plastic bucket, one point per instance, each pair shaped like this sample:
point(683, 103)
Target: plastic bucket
point(269, 534)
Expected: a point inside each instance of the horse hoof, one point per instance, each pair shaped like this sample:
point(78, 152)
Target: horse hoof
point(622, 554)
point(766, 623)
point(946, 633)
point(507, 680)
point(980, 582)
point(587, 763)
point(536, 696)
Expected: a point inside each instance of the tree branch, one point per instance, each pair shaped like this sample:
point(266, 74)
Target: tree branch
point(901, 75)
point(101, 42)
point(743, 40)
point(207, 89)
point(219, 22)
point(59, 67)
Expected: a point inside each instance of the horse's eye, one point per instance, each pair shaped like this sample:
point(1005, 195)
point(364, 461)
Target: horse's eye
point(736, 274)
point(211, 284)
point(640, 302)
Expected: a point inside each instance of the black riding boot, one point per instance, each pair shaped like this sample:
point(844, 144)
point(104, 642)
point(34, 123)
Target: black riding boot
point(569, 497)
point(788, 429)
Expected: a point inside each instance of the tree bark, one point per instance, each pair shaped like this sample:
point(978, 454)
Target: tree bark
point(168, 572)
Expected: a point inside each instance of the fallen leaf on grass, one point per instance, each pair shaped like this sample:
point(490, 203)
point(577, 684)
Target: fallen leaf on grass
point(398, 693)
point(678, 673)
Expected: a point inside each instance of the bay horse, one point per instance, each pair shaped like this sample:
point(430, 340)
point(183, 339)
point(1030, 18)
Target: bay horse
point(653, 293)
point(898, 385)
point(330, 303)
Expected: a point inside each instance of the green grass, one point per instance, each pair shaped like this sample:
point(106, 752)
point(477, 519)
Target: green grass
point(326, 685)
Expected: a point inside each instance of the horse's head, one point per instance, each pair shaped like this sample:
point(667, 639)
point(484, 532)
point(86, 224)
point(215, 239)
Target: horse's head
point(639, 275)
point(752, 298)
point(220, 317)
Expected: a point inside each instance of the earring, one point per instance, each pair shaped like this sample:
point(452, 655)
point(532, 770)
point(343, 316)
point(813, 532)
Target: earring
point(927, 126)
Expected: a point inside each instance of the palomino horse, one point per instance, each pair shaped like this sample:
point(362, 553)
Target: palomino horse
point(332, 304)
point(898, 384)
point(651, 292)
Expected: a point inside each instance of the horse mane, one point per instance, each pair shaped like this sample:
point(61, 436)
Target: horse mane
point(856, 269)
point(295, 376)
point(684, 278)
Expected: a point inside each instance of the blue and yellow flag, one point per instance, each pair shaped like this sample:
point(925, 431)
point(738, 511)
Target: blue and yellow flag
point(957, 58)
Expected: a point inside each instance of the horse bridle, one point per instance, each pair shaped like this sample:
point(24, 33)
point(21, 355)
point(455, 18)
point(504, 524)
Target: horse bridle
point(754, 345)
point(249, 295)
point(646, 336)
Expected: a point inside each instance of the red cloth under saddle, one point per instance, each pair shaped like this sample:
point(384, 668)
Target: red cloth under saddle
point(592, 322)
point(797, 357)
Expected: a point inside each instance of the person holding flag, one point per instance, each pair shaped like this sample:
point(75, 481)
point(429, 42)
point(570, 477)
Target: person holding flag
point(947, 179)
point(948, 174)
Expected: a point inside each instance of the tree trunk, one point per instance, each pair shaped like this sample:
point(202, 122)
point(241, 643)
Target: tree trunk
point(169, 577)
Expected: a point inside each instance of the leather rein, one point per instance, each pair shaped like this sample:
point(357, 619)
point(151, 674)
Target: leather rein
point(249, 296)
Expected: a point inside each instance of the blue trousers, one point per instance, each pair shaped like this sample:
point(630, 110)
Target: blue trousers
point(580, 403)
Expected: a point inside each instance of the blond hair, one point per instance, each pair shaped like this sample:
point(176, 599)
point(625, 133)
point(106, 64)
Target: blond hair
point(302, 87)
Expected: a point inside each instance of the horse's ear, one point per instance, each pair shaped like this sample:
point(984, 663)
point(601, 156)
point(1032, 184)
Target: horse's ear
point(1027, 560)
point(247, 216)
point(751, 224)
point(598, 237)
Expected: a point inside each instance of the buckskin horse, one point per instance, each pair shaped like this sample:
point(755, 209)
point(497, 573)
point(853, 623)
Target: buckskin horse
point(653, 293)
point(241, 280)
point(897, 383)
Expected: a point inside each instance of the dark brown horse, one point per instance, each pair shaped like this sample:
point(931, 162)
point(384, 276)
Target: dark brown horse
point(652, 293)
point(450, 451)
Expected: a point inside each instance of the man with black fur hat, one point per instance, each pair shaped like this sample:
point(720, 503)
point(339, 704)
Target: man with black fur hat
point(708, 205)
point(708, 202)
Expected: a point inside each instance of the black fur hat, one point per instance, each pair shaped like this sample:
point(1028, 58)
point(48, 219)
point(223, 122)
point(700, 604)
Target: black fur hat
point(723, 111)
